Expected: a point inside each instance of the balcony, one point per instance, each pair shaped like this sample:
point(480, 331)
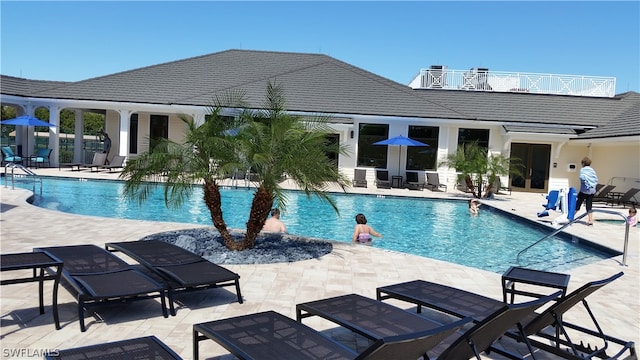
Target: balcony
point(481, 79)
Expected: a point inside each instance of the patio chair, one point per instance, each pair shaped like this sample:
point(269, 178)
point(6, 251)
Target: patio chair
point(41, 157)
point(498, 186)
point(95, 276)
point(180, 269)
point(628, 198)
point(149, 347)
point(461, 303)
point(433, 182)
point(360, 178)
point(382, 179)
point(98, 160)
point(256, 335)
point(8, 156)
point(603, 194)
point(375, 320)
point(116, 163)
point(413, 182)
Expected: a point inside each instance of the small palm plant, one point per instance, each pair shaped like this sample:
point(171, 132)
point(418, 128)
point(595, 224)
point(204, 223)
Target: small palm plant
point(271, 143)
point(473, 164)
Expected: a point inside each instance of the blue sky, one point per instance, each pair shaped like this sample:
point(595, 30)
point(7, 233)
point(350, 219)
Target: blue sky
point(77, 40)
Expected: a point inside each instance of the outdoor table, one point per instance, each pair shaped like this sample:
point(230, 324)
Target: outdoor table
point(396, 181)
point(532, 277)
point(34, 260)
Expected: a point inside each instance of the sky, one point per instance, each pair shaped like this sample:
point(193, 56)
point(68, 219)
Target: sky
point(77, 40)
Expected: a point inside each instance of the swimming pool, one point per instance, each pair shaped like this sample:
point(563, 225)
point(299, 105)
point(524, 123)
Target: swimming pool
point(440, 229)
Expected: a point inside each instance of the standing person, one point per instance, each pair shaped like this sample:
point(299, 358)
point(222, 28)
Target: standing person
point(273, 224)
point(588, 182)
point(107, 147)
point(362, 232)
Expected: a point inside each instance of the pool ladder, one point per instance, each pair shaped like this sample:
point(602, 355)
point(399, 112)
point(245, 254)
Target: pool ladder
point(26, 172)
point(626, 233)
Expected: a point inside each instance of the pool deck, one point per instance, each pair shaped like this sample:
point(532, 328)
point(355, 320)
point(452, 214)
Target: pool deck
point(348, 269)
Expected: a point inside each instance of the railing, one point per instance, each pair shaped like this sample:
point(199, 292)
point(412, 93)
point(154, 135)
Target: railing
point(481, 79)
point(626, 234)
point(26, 171)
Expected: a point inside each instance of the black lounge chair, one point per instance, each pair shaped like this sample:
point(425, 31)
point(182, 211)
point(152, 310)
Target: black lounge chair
point(461, 303)
point(628, 198)
point(98, 277)
point(270, 335)
point(178, 268)
point(603, 194)
point(360, 178)
point(148, 347)
point(433, 182)
point(413, 182)
point(98, 160)
point(116, 163)
point(375, 319)
point(382, 179)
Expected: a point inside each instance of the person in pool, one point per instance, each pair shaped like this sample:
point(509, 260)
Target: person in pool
point(474, 206)
point(632, 219)
point(274, 224)
point(362, 232)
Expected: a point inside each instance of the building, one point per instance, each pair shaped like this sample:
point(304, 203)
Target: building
point(551, 133)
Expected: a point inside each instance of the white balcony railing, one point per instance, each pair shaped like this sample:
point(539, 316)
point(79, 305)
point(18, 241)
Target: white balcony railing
point(481, 79)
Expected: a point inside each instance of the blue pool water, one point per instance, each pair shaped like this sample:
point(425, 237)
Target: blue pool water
point(440, 229)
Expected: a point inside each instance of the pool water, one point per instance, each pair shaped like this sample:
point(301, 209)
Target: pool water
point(439, 229)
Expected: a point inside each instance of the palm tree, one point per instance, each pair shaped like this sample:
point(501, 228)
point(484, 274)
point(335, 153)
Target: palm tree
point(472, 163)
point(271, 143)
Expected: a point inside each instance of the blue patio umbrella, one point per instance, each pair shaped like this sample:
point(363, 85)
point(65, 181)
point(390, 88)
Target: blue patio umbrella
point(26, 120)
point(400, 140)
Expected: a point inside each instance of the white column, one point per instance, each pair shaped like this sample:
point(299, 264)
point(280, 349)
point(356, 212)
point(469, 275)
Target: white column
point(54, 137)
point(123, 141)
point(78, 137)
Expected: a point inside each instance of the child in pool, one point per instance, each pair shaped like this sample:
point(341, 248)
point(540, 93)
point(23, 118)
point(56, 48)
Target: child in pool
point(632, 219)
point(362, 232)
point(474, 206)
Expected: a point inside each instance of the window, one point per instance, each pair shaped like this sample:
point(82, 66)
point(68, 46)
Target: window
point(133, 134)
point(158, 129)
point(369, 154)
point(421, 157)
point(466, 136)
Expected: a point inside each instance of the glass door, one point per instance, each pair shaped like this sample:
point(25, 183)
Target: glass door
point(533, 162)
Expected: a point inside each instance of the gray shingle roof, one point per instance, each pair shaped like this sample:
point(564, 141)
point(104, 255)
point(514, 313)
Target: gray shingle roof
point(22, 87)
point(624, 122)
point(312, 83)
point(318, 83)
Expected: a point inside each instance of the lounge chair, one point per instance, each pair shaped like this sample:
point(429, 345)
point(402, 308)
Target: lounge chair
point(382, 179)
point(41, 157)
point(96, 276)
point(180, 269)
point(275, 336)
point(628, 198)
point(375, 320)
point(9, 157)
point(461, 303)
point(433, 182)
point(98, 160)
point(498, 186)
point(603, 194)
point(116, 163)
point(360, 178)
point(413, 182)
point(148, 347)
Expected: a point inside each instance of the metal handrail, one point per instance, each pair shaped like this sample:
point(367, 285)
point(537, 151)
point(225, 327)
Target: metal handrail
point(27, 171)
point(626, 233)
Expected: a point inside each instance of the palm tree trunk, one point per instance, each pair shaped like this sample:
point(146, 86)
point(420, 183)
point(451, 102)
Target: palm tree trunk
point(260, 207)
point(213, 201)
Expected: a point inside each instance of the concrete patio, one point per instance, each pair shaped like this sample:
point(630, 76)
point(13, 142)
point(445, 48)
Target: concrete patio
point(348, 269)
